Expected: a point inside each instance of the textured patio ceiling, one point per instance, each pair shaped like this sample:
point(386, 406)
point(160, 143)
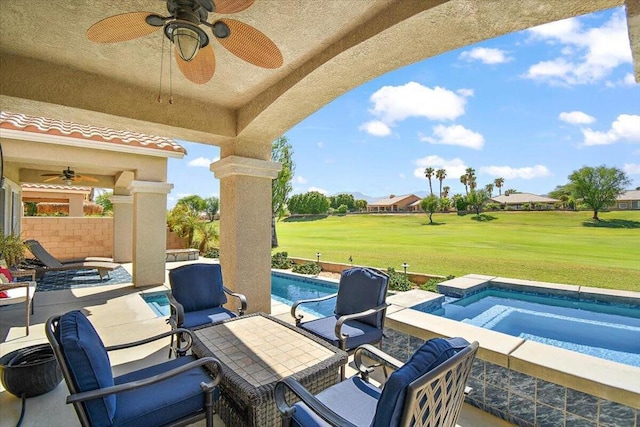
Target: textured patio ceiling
point(48, 67)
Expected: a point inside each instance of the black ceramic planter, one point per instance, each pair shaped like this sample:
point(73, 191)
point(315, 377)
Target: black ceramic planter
point(30, 371)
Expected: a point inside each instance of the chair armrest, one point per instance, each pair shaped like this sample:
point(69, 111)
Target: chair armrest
point(310, 400)
point(346, 317)
point(176, 318)
point(385, 360)
point(295, 305)
point(182, 331)
point(95, 394)
point(241, 297)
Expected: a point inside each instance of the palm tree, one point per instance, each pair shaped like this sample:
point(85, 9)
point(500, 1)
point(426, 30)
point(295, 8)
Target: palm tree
point(498, 182)
point(428, 173)
point(465, 180)
point(471, 178)
point(445, 191)
point(489, 188)
point(441, 174)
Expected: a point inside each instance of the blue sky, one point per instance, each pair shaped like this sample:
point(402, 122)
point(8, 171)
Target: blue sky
point(530, 107)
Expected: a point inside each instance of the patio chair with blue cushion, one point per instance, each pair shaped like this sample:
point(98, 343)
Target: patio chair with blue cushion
point(198, 295)
point(359, 312)
point(427, 390)
point(177, 392)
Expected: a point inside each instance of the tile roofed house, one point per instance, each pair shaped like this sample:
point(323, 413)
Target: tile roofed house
point(518, 200)
point(628, 200)
point(79, 133)
point(406, 203)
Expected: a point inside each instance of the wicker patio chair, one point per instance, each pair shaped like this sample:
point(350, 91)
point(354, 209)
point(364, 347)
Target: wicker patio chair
point(359, 312)
point(428, 390)
point(174, 393)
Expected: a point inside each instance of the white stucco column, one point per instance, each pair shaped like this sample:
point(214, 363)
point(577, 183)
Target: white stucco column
point(245, 227)
point(76, 202)
point(149, 231)
point(122, 228)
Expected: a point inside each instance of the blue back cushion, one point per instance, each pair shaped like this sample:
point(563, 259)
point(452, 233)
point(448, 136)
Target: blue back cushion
point(198, 286)
point(430, 355)
point(361, 289)
point(89, 364)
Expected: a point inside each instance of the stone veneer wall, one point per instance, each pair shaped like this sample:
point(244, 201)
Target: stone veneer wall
point(525, 400)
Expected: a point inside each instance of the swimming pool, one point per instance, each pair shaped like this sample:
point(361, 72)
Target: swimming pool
point(285, 288)
point(608, 331)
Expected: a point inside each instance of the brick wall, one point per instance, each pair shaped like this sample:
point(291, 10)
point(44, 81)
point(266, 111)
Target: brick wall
point(66, 237)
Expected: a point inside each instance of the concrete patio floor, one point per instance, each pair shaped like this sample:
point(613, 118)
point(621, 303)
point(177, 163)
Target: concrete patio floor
point(120, 315)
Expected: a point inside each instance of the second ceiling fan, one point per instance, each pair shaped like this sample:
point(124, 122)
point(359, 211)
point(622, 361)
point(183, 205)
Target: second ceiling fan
point(193, 51)
point(68, 176)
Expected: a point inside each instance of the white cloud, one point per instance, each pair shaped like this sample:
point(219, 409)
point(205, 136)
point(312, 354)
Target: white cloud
point(455, 135)
point(320, 144)
point(454, 167)
point(201, 162)
point(625, 128)
point(465, 92)
point(375, 128)
point(486, 55)
point(629, 80)
point(298, 179)
point(590, 54)
point(393, 104)
point(632, 168)
point(508, 172)
point(319, 190)
point(576, 117)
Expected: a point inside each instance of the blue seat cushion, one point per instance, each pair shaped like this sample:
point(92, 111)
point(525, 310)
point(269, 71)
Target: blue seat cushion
point(430, 355)
point(162, 402)
point(205, 317)
point(198, 286)
point(361, 289)
point(352, 399)
point(359, 333)
point(88, 362)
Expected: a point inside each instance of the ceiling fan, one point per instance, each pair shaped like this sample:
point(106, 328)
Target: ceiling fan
point(182, 27)
point(68, 176)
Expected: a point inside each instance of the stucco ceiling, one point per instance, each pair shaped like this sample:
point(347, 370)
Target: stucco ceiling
point(49, 68)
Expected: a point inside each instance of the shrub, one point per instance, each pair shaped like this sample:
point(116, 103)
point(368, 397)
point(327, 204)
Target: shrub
point(281, 260)
point(398, 281)
point(432, 284)
point(342, 209)
point(212, 253)
point(307, 268)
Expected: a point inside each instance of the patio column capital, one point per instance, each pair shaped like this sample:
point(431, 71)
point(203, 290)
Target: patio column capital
point(237, 165)
point(150, 187)
point(121, 199)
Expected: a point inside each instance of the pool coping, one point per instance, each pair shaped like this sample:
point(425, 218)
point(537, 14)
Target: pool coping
point(599, 377)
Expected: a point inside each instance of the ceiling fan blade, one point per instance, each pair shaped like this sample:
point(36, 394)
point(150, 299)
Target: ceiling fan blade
point(50, 174)
point(120, 28)
point(247, 43)
point(201, 68)
point(51, 179)
point(85, 178)
point(232, 6)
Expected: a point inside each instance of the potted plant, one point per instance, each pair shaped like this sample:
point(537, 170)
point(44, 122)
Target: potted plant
point(12, 250)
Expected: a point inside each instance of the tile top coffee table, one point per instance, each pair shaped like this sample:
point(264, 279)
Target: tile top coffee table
point(256, 351)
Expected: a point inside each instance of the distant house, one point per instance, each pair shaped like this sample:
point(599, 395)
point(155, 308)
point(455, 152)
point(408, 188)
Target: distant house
point(628, 200)
point(406, 203)
point(518, 201)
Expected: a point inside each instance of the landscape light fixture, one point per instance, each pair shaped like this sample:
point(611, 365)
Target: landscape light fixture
point(405, 266)
point(318, 257)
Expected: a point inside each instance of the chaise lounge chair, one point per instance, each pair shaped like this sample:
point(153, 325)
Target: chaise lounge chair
point(51, 263)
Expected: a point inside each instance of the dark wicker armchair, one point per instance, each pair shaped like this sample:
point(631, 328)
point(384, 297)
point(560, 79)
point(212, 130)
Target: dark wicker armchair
point(174, 393)
point(428, 390)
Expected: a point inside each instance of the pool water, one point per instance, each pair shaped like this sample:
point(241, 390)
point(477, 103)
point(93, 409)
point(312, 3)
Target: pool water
point(599, 329)
point(285, 288)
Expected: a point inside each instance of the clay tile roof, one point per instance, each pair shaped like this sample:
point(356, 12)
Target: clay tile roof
point(54, 187)
point(43, 125)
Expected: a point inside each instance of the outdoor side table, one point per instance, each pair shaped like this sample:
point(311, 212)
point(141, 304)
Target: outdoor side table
point(256, 351)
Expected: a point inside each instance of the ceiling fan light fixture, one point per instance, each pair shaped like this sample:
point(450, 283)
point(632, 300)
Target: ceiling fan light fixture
point(187, 37)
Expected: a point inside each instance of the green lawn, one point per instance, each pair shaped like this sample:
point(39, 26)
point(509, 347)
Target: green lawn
point(561, 247)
